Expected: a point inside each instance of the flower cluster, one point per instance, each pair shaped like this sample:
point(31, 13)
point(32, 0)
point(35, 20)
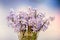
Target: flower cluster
point(30, 20)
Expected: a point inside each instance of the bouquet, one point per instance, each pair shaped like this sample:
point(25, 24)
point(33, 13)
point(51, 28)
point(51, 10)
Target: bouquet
point(28, 23)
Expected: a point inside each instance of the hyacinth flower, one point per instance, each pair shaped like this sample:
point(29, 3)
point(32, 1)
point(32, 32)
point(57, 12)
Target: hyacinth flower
point(28, 24)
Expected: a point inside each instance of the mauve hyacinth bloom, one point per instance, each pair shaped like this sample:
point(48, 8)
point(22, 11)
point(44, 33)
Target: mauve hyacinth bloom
point(23, 20)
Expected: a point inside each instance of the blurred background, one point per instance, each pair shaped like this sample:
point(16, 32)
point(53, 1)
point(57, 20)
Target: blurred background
point(50, 7)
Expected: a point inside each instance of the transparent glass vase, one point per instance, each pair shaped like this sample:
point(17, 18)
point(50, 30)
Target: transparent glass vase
point(27, 36)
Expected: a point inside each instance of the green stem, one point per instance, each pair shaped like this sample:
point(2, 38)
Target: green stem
point(28, 35)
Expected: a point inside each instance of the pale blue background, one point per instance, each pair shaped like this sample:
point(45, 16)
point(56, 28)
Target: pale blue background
point(7, 33)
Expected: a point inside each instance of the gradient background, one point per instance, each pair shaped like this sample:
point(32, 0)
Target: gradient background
point(50, 7)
